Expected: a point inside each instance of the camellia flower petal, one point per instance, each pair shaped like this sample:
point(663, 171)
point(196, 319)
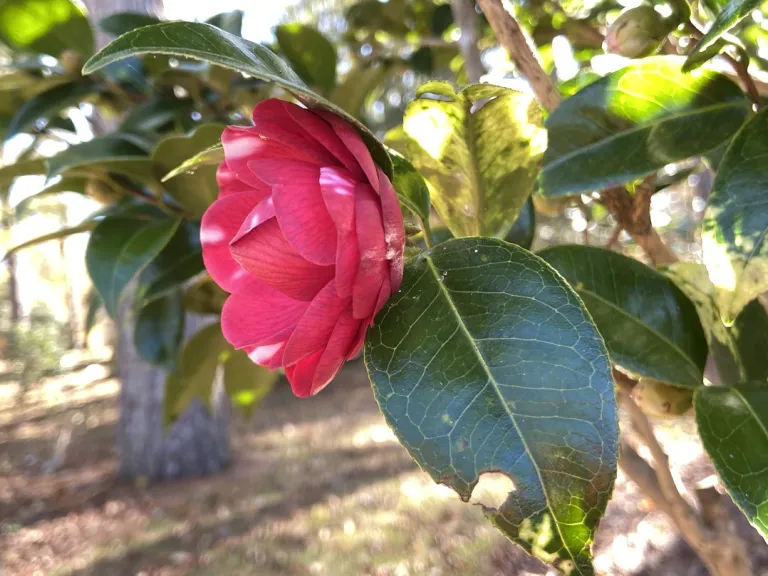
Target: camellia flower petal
point(307, 236)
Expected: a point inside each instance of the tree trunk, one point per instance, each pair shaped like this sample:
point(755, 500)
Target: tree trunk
point(198, 442)
point(6, 223)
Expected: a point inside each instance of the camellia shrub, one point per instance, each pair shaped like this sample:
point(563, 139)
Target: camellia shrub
point(315, 239)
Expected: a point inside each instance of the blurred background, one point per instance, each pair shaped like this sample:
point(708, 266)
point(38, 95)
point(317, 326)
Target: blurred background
point(316, 486)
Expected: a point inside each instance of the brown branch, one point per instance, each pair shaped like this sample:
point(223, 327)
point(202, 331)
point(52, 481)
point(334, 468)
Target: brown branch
point(746, 78)
point(633, 216)
point(617, 230)
point(721, 550)
point(512, 37)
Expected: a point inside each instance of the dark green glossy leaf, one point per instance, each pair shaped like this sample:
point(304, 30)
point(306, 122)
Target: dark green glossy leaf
point(120, 247)
point(411, 188)
point(47, 105)
point(650, 327)
point(61, 233)
point(205, 297)
point(733, 425)
point(105, 152)
point(480, 164)
point(196, 370)
point(193, 186)
point(155, 113)
point(246, 383)
point(121, 22)
point(205, 42)
point(736, 220)
point(231, 22)
point(180, 260)
point(159, 329)
point(635, 121)
point(732, 13)
point(524, 229)
point(310, 54)
point(738, 350)
point(45, 26)
point(487, 361)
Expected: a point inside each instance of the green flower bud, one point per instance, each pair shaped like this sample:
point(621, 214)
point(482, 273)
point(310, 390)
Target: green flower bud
point(637, 32)
point(660, 400)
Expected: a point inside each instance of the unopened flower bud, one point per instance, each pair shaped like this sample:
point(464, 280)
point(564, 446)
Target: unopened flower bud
point(637, 32)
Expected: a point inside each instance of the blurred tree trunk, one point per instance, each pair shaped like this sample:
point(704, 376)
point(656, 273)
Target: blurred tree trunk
point(466, 19)
point(198, 442)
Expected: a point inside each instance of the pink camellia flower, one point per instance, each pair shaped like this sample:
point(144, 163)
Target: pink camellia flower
point(307, 236)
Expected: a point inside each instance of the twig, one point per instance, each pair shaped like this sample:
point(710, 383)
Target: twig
point(743, 73)
point(617, 230)
point(511, 36)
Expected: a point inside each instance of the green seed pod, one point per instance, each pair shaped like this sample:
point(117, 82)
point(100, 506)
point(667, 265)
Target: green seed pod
point(638, 32)
point(660, 400)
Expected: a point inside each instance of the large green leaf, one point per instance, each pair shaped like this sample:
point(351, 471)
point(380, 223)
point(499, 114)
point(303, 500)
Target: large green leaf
point(738, 350)
point(122, 22)
point(733, 425)
point(196, 187)
point(487, 361)
point(310, 53)
point(45, 26)
point(649, 325)
point(635, 121)
point(480, 164)
point(120, 247)
point(159, 329)
point(196, 370)
point(205, 42)
point(246, 383)
point(180, 260)
point(732, 13)
point(47, 105)
point(736, 220)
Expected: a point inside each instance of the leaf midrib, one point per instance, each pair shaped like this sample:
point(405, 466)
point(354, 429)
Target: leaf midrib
point(637, 321)
point(640, 128)
point(495, 385)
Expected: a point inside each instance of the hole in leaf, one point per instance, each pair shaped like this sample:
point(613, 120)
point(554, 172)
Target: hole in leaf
point(492, 490)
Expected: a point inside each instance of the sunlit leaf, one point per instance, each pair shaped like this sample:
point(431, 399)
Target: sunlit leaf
point(732, 13)
point(45, 26)
point(635, 121)
point(487, 361)
point(480, 164)
point(650, 327)
point(61, 233)
point(187, 165)
point(411, 188)
point(195, 373)
point(736, 220)
point(246, 383)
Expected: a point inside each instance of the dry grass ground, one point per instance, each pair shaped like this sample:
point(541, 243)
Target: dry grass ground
point(318, 487)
